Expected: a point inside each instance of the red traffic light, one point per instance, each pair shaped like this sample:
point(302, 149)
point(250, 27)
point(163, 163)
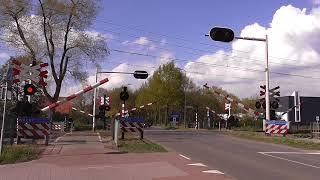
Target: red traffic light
point(29, 89)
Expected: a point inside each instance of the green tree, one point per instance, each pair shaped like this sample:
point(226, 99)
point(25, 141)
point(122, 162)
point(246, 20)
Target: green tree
point(166, 88)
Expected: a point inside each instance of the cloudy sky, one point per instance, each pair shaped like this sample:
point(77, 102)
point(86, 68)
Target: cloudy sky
point(145, 34)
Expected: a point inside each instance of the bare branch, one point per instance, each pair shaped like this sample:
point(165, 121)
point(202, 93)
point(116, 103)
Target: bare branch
point(65, 67)
point(65, 45)
point(21, 34)
point(50, 53)
point(47, 94)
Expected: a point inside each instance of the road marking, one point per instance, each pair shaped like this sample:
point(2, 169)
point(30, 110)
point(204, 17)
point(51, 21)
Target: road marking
point(198, 164)
point(60, 137)
point(99, 137)
point(184, 156)
point(285, 159)
point(96, 167)
point(302, 153)
point(213, 172)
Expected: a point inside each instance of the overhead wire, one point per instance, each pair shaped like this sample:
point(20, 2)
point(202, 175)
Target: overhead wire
point(131, 28)
point(210, 64)
point(287, 83)
point(254, 60)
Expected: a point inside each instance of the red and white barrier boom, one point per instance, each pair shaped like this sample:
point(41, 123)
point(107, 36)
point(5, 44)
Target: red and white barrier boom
point(89, 88)
point(240, 105)
point(134, 109)
point(83, 112)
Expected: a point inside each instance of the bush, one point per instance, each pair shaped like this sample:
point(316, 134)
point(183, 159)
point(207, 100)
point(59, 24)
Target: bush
point(249, 124)
point(82, 127)
point(13, 154)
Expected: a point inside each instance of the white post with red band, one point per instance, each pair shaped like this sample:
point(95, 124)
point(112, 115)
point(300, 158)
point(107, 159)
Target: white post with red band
point(89, 88)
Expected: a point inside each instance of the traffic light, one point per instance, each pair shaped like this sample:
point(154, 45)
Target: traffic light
point(221, 34)
point(275, 104)
point(273, 115)
point(29, 89)
point(140, 74)
point(105, 103)
point(124, 95)
point(258, 105)
point(102, 111)
point(26, 109)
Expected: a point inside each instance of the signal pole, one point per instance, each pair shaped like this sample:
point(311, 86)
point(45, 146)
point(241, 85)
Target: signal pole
point(227, 35)
point(3, 117)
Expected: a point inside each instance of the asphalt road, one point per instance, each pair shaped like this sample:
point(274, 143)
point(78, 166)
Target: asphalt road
point(239, 158)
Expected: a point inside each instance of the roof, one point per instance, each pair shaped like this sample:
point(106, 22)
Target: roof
point(64, 108)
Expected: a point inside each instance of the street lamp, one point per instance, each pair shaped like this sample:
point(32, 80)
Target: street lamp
point(227, 35)
point(136, 74)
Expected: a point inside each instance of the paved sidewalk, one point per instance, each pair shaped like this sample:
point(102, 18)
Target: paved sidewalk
point(81, 156)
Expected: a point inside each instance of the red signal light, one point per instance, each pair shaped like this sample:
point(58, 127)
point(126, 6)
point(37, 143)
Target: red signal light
point(29, 89)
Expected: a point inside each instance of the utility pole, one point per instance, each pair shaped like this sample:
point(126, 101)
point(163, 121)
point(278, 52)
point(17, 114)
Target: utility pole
point(3, 117)
point(94, 104)
point(208, 116)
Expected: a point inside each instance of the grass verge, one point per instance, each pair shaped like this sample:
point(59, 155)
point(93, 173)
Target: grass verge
point(20, 153)
point(275, 139)
point(132, 145)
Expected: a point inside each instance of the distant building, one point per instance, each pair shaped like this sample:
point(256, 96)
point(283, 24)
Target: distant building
point(304, 114)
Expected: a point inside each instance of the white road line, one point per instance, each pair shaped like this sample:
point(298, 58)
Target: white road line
point(96, 167)
point(99, 137)
point(198, 164)
point(60, 137)
point(213, 172)
point(184, 156)
point(285, 159)
point(302, 153)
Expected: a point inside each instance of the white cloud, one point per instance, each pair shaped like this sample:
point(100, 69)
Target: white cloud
point(163, 42)
point(293, 35)
point(106, 36)
point(142, 41)
point(316, 2)
point(118, 80)
point(125, 42)
point(3, 57)
point(294, 48)
point(164, 58)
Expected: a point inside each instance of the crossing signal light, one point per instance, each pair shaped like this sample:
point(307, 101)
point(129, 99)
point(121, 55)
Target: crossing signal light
point(275, 104)
point(26, 109)
point(29, 89)
point(102, 111)
point(263, 87)
point(124, 95)
point(273, 115)
point(258, 105)
point(221, 34)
